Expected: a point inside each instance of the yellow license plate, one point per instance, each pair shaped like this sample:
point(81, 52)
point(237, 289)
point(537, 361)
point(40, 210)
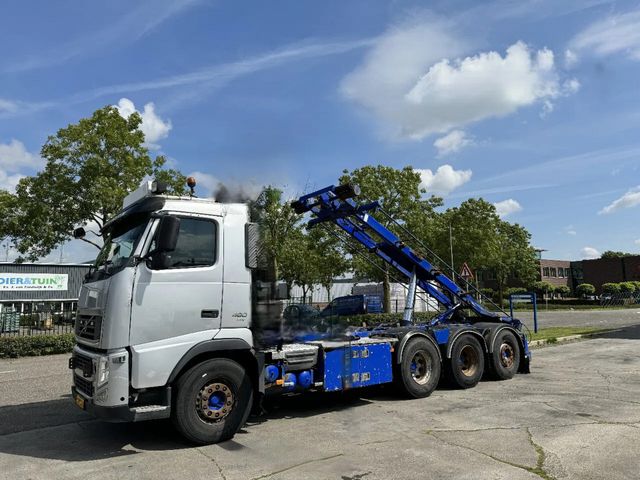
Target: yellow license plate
point(79, 401)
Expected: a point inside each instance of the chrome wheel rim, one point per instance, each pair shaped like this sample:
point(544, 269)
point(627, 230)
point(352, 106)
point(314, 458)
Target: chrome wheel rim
point(421, 367)
point(468, 361)
point(507, 355)
point(214, 402)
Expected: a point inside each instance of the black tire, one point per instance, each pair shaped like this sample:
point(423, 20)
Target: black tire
point(505, 358)
point(419, 369)
point(215, 388)
point(466, 365)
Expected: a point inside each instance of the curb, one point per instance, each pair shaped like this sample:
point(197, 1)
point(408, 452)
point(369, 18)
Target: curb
point(570, 338)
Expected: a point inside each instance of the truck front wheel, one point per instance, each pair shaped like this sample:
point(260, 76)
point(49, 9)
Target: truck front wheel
point(213, 401)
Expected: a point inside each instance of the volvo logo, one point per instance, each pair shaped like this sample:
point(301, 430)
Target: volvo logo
point(239, 315)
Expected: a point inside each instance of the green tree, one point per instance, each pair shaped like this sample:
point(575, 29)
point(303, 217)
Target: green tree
point(401, 196)
point(585, 289)
point(543, 288)
point(330, 257)
point(614, 254)
point(278, 229)
point(563, 290)
point(90, 167)
point(627, 287)
point(611, 288)
point(486, 243)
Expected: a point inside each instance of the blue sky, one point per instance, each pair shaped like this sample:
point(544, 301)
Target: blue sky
point(533, 106)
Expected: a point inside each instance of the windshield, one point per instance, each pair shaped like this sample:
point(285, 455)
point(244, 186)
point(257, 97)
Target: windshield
point(120, 244)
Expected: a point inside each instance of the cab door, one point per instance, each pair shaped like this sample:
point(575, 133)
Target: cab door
point(174, 308)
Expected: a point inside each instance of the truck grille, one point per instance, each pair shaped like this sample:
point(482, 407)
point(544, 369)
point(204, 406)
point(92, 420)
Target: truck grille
point(83, 363)
point(83, 385)
point(88, 326)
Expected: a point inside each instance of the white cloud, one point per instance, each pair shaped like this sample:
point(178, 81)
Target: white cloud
point(570, 230)
point(589, 253)
point(413, 80)
point(507, 207)
point(628, 200)
point(570, 58)
point(7, 106)
point(637, 242)
point(444, 180)
point(618, 33)
point(9, 182)
point(132, 26)
point(153, 127)
point(14, 158)
point(452, 142)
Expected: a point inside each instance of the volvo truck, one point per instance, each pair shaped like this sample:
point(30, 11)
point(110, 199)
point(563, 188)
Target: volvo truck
point(180, 319)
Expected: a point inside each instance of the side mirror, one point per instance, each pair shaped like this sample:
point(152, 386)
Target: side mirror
point(167, 236)
point(79, 233)
point(166, 240)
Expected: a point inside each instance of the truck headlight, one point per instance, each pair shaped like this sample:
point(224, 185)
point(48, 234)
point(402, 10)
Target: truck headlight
point(102, 374)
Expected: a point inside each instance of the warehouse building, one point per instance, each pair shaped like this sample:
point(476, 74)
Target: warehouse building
point(39, 287)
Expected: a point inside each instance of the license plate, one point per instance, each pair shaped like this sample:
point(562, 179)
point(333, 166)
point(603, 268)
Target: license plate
point(79, 401)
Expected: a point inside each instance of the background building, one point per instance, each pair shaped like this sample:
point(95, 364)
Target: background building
point(556, 272)
point(610, 270)
point(31, 287)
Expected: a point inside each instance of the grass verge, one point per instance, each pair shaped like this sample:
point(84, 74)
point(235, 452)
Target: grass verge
point(551, 334)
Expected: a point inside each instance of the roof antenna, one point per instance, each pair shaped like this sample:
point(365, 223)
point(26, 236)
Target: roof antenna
point(191, 183)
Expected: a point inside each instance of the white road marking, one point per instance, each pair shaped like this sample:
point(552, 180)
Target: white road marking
point(8, 371)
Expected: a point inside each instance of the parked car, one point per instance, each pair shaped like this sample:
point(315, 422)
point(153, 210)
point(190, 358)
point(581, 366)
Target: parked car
point(299, 313)
point(353, 305)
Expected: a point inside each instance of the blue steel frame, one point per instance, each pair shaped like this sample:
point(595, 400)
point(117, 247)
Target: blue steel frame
point(356, 221)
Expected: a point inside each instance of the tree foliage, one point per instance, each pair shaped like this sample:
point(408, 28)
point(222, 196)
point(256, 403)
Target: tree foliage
point(90, 167)
point(278, 227)
point(614, 254)
point(585, 289)
point(611, 288)
point(480, 238)
point(401, 196)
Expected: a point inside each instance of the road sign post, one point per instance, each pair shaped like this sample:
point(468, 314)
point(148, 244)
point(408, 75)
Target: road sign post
point(524, 298)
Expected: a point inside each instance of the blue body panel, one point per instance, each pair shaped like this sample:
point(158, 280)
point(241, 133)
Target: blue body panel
point(353, 366)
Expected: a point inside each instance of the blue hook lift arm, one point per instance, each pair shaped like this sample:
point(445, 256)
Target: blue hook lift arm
point(335, 204)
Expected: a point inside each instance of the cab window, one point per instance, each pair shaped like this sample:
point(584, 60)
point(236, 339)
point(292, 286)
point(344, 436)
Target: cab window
point(196, 245)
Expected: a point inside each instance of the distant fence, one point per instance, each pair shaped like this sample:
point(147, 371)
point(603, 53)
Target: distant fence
point(13, 323)
point(620, 299)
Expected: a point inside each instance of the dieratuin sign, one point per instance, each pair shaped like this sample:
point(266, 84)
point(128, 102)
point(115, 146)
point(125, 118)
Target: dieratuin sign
point(34, 281)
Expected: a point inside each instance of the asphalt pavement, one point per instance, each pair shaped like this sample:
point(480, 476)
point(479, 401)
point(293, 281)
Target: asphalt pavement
point(576, 416)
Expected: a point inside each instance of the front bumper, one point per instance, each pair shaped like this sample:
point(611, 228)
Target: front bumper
point(117, 414)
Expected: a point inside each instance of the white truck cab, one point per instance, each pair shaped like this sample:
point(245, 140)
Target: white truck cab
point(147, 304)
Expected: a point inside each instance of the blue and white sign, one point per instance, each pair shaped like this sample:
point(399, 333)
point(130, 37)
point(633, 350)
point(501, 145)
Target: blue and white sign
point(34, 281)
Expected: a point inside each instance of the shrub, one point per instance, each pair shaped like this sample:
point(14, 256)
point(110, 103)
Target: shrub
point(515, 291)
point(627, 287)
point(611, 288)
point(585, 289)
point(13, 347)
point(543, 287)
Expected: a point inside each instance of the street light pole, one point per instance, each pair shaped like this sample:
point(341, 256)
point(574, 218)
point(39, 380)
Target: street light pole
point(453, 271)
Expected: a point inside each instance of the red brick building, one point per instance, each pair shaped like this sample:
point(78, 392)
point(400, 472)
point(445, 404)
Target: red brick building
point(610, 270)
point(556, 272)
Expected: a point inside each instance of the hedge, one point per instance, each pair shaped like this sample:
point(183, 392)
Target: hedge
point(34, 345)
point(373, 319)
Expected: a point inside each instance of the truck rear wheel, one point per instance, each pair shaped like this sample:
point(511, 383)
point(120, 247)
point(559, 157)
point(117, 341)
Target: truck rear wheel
point(467, 362)
point(213, 401)
point(505, 358)
point(420, 368)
